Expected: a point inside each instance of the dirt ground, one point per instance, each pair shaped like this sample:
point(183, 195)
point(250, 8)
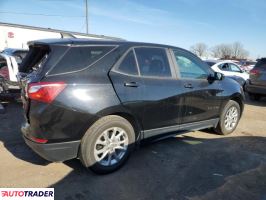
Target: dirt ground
point(195, 165)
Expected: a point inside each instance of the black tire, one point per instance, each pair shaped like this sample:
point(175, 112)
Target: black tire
point(221, 128)
point(90, 138)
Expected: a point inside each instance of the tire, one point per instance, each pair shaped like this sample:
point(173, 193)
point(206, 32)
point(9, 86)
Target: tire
point(98, 139)
point(224, 128)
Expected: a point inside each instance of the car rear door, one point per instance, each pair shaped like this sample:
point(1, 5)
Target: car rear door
point(201, 97)
point(150, 91)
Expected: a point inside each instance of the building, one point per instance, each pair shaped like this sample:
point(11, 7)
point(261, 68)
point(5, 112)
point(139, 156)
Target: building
point(17, 36)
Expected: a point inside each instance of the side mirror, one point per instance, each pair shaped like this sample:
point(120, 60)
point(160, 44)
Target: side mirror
point(216, 76)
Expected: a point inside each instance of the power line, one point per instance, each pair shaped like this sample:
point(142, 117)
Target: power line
point(39, 14)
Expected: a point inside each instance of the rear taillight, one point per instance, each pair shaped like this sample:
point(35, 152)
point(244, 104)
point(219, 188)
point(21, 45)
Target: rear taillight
point(254, 72)
point(38, 140)
point(45, 91)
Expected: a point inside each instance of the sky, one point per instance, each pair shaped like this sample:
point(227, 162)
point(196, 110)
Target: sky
point(181, 23)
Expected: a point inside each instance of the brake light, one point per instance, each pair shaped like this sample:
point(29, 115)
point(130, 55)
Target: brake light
point(38, 140)
point(254, 72)
point(45, 91)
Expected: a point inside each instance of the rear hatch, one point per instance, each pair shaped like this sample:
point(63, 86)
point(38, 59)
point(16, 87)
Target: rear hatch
point(258, 73)
point(32, 69)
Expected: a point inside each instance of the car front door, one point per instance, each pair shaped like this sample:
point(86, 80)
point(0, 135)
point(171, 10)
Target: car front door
point(201, 97)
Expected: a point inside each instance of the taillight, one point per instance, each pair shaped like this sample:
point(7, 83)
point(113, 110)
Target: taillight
point(38, 140)
point(45, 91)
point(254, 72)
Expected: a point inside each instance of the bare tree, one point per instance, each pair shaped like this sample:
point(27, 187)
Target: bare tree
point(223, 51)
point(200, 49)
point(238, 51)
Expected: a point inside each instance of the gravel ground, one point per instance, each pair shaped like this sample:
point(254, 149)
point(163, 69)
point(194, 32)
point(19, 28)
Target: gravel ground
point(195, 165)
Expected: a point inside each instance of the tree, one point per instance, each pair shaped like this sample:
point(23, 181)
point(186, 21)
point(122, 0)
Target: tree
point(238, 51)
point(223, 51)
point(200, 49)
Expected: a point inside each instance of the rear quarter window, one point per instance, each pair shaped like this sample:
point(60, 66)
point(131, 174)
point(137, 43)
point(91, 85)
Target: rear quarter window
point(78, 58)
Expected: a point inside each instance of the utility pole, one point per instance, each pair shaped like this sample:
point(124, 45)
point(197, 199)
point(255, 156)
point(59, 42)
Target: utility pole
point(87, 20)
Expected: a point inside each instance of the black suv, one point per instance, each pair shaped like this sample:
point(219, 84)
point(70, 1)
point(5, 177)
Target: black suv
point(256, 85)
point(94, 100)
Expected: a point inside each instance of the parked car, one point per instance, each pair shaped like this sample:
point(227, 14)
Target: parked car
point(256, 85)
point(9, 62)
point(229, 69)
point(94, 100)
point(247, 65)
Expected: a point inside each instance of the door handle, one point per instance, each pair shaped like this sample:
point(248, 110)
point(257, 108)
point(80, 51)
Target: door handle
point(131, 84)
point(188, 85)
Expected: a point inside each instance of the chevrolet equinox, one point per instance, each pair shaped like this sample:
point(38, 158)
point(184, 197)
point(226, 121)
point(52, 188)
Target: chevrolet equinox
point(95, 99)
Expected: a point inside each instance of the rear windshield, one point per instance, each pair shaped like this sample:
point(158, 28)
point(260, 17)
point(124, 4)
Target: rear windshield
point(261, 64)
point(34, 59)
point(78, 58)
point(2, 62)
point(210, 63)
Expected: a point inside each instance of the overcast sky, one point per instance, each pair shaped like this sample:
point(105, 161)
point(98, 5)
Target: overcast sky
point(176, 22)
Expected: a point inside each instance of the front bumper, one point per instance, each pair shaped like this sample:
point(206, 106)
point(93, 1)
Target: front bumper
point(55, 152)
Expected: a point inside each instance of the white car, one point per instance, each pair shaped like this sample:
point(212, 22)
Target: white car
point(9, 63)
point(228, 68)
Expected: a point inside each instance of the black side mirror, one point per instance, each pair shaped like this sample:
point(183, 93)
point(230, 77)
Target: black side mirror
point(216, 76)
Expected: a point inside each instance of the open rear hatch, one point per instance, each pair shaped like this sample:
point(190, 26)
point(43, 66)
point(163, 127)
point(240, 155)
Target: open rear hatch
point(32, 69)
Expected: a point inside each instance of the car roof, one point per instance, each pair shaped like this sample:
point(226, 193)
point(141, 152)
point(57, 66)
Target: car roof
point(220, 61)
point(78, 41)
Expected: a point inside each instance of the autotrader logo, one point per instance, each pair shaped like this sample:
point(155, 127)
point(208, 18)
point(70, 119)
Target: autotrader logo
point(27, 193)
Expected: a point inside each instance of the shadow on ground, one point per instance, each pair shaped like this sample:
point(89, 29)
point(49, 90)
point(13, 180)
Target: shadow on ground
point(11, 136)
point(175, 168)
point(178, 168)
point(261, 102)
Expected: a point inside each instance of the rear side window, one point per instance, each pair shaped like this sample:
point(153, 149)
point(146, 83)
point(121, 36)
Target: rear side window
point(153, 62)
point(128, 64)
point(78, 58)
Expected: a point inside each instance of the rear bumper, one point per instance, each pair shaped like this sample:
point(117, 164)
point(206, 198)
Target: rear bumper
point(55, 152)
point(255, 89)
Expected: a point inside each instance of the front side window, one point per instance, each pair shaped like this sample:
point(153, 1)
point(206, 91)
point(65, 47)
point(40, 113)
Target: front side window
point(128, 64)
point(189, 68)
point(153, 62)
point(234, 68)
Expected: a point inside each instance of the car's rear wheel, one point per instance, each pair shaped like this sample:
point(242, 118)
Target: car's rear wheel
point(107, 144)
point(229, 118)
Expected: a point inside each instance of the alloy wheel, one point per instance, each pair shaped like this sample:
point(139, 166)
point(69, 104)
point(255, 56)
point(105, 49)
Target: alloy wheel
point(111, 146)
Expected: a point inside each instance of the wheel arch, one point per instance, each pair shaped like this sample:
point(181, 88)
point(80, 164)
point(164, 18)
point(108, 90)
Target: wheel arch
point(239, 99)
point(126, 114)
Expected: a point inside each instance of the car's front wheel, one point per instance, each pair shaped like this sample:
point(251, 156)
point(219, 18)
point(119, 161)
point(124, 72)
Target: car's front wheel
point(107, 144)
point(229, 118)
